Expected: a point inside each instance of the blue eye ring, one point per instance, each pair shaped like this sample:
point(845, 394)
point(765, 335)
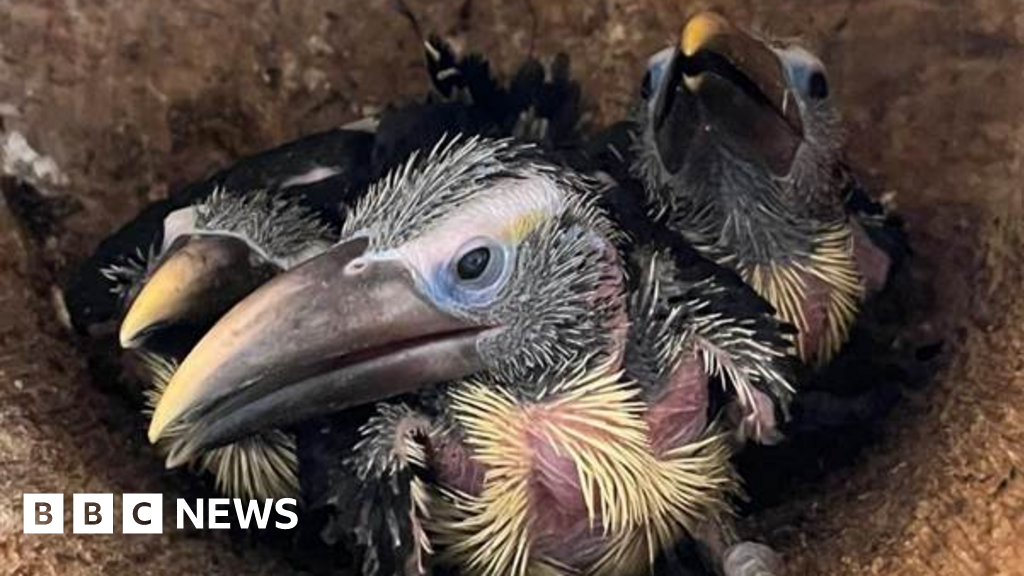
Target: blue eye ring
point(805, 73)
point(657, 64)
point(480, 268)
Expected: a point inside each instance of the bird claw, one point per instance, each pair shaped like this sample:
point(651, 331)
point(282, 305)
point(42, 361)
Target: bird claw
point(751, 559)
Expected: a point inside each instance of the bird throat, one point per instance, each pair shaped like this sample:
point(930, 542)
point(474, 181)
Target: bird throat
point(819, 293)
point(586, 481)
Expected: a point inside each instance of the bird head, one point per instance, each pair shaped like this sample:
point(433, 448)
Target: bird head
point(213, 254)
point(727, 108)
point(477, 257)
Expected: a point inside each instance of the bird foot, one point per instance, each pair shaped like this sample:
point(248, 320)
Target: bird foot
point(751, 559)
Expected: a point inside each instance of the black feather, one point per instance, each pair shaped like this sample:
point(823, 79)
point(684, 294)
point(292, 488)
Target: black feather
point(534, 93)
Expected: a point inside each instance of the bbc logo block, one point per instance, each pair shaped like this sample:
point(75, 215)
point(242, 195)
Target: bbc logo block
point(142, 514)
point(43, 513)
point(92, 514)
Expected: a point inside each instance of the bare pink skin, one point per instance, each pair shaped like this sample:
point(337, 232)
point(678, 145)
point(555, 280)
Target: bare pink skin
point(560, 515)
point(561, 529)
point(815, 311)
point(679, 416)
point(758, 422)
point(873, 263)
point(455, 466)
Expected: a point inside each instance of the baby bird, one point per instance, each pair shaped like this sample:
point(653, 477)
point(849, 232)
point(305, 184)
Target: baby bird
point(739, 144)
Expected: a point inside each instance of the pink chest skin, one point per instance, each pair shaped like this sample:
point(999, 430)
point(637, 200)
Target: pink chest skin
point(560, 529)
point(873, 266)
point(679, 416)
point(873, 263)
point(815, 310)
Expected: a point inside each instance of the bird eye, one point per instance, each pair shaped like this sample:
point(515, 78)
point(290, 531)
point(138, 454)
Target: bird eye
point(805, 73)
point(817, 86)
point(481, 266)
point(473, 264)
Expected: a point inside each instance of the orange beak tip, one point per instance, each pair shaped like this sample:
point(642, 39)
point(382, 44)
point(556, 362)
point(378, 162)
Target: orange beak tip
point(699, 30)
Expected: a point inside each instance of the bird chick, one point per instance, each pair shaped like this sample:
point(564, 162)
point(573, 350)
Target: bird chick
point(621, 466)
point(482, 260)
point(592, 469)
point(739, 142)
point(244, 225)
point(211, 254)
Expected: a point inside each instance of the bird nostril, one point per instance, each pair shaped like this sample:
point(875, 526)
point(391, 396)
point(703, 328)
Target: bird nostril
point(355, 267)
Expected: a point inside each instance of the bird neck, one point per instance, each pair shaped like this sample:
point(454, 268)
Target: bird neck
point(797, 256)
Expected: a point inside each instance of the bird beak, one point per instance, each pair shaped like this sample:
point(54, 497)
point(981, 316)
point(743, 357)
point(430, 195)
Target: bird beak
point(339, 330)
point(726, 82)
point(197, 281)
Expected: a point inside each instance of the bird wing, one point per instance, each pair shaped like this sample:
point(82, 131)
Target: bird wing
point(688, 304)
point(376, 500)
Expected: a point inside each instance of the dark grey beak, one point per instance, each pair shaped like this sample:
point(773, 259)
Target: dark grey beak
point(341, 329)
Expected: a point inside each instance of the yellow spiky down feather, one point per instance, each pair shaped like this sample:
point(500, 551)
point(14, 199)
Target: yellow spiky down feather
point(784, 287)
point(639, 502)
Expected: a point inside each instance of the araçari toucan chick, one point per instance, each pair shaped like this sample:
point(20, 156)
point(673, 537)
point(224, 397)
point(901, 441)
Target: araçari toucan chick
point(739, 143)
point(214, 253)
point(483, 260)
point(174, 270)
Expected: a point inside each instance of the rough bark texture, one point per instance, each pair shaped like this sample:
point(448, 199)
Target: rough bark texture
point(133, 98)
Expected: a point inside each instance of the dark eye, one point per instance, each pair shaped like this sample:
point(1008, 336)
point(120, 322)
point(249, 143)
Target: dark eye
point(477, 271)
point(817, 86)
point(473, 264)
point(647, 86)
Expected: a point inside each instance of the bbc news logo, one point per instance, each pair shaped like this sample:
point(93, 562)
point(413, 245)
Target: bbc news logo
point(143, 513)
